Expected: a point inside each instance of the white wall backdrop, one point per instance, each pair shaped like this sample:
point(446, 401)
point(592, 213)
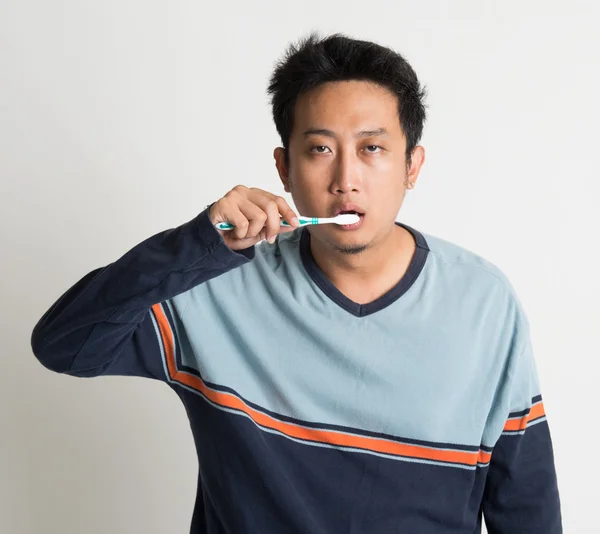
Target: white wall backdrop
point(122, 118)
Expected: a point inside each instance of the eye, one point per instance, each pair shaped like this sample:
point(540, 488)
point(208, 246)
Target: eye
point(372, 149)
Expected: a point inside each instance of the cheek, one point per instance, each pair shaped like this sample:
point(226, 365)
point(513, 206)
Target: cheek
point(311, 167)
point(309, 178)
point(391, 197)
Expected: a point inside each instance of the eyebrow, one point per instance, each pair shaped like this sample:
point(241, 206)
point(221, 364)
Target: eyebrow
point(329, 133)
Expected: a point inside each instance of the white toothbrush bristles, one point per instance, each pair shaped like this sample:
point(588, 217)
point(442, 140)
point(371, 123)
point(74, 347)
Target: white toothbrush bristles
point(346, 218)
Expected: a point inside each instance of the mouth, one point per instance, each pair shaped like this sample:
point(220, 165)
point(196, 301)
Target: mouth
point(349, 207)
point(355, 225)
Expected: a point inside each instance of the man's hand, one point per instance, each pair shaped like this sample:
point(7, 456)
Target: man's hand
point(256, 215)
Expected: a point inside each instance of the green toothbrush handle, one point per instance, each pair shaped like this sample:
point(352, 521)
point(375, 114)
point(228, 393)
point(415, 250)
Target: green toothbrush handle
point(224, 226)
point(303, 221)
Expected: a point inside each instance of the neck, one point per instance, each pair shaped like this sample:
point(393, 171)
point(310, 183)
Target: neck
point(370, 273)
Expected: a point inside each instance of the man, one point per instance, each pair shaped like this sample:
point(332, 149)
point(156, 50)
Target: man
point(341, 379)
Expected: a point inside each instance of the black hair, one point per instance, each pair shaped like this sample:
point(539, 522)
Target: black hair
point(314, 61)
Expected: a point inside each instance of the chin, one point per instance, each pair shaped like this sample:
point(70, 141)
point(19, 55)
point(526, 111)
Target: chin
point(351, 249)
point(344, 242)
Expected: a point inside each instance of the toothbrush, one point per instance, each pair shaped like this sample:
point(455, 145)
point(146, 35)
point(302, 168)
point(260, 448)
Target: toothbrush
point(344, 218)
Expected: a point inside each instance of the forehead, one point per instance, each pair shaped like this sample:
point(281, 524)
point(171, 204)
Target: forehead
point(347, 106)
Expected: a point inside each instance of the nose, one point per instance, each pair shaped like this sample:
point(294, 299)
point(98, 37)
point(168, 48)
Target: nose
point(346, 176)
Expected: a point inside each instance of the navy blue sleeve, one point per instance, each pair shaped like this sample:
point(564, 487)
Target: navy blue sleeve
point(103, 324)
point(521, 492)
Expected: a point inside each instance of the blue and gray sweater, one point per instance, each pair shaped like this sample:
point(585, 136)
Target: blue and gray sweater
point(418, 413)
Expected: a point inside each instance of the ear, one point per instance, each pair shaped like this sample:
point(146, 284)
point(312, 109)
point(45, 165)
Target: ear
point(417, 159)
point(279, 155)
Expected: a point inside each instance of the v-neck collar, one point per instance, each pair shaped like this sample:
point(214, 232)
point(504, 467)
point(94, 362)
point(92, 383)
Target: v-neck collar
point(360, 310)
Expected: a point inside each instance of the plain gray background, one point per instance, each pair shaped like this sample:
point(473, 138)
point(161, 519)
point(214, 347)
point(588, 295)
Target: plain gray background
point(122, 118)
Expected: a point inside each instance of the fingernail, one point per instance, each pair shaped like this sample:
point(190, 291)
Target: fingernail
point(271, 239)
point(295, 221)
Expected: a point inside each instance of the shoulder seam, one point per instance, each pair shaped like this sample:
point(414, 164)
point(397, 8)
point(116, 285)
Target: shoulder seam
point(439, 255)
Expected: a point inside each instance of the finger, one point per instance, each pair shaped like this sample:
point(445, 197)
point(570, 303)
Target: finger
point(234, 215)
point(287, 213)
point(262, 199)
point(273, 220)
point(256, 217)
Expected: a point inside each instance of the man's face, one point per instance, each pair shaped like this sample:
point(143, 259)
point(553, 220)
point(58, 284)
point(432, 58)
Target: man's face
point(328, 169)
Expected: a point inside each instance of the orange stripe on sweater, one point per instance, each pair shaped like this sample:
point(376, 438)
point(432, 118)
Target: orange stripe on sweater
point(337, 438)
